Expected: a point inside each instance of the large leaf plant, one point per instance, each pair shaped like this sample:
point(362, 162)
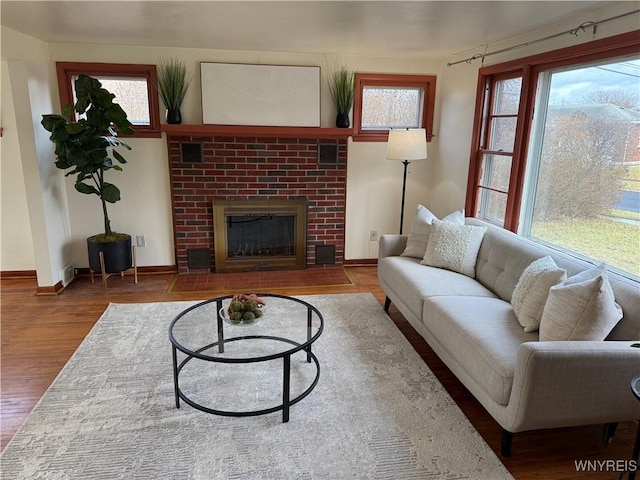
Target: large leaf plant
point(86, 147)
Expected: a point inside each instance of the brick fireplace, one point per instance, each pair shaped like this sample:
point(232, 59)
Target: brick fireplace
point(209, 164)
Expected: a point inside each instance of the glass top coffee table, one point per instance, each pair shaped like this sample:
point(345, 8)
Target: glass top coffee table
point(240, 369)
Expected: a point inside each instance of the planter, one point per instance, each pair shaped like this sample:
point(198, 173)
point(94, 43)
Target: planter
point(117, 255)
point(342, 120)
point(174, 116)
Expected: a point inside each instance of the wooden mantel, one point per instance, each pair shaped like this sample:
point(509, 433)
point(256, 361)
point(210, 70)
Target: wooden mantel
point(255, 131)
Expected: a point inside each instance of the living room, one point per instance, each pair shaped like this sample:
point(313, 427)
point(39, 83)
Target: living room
point(44, 226)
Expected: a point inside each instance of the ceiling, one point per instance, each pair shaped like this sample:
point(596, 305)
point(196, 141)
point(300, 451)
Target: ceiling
point(423, 29)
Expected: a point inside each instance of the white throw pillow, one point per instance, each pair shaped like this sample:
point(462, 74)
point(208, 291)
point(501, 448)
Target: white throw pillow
point(421, 228)
point(454, 247)
point(531, 292)
point(583, 307)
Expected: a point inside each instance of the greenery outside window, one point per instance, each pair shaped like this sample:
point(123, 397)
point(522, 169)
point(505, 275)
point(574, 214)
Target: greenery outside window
point(385, 101)
point(133, 85)
point(554, 155)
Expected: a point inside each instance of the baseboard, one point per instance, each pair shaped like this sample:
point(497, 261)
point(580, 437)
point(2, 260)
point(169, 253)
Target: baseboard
point(361, 262)
point(50, 290)
point(18, 274)
point(141, 270)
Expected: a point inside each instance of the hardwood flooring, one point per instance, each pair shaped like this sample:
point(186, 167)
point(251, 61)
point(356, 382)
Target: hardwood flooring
point(40, 333)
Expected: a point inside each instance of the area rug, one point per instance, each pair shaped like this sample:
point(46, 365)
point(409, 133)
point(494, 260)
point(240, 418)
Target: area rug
point(377, 411)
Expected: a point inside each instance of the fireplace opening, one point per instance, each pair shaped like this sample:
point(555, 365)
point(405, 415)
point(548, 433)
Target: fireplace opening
point(260, 235)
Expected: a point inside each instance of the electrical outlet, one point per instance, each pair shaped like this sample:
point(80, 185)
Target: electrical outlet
point(141, 240)
point(373, 236)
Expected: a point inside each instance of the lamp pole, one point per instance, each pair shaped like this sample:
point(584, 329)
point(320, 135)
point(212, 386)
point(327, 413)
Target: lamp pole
point(404, 189)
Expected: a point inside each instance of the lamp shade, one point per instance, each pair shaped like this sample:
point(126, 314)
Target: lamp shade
point(410, 144)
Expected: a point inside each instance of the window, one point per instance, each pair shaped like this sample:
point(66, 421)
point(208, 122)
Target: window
point(386, 101)
point(554, 156)
point(133, 86)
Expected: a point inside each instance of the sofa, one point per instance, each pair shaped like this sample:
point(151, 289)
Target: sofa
point(524, 382)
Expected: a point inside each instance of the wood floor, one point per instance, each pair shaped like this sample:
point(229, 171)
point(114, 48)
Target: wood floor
point(40, 333)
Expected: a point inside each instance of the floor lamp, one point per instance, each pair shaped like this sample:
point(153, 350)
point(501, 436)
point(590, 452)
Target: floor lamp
point(405, 145)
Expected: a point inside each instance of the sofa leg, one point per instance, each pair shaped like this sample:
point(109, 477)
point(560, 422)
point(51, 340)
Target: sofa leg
point(387, 303)
point(609, 432)
point(506, 439)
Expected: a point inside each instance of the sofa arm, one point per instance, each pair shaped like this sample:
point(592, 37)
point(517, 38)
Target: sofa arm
point(558, 384)
point(391, 245)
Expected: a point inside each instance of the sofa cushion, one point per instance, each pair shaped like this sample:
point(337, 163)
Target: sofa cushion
point(408, 279)
point(483, 335)
point(532, 290)
point(454, 247)
point(582, 307)
point(421, 228)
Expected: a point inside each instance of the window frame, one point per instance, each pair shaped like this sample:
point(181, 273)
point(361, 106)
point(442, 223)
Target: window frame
point(626, 44)
point(66, 71)
point(362, 80)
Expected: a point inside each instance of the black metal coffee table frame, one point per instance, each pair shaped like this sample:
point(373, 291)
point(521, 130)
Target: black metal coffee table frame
point(287, 402)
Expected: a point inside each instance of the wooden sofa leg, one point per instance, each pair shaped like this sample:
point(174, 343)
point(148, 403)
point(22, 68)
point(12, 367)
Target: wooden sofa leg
point(387, 303)
point(506, 439)
point(609, 432)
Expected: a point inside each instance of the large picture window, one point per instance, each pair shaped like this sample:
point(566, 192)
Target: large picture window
point(385, 101)
point(555, 155)
point(133, 86)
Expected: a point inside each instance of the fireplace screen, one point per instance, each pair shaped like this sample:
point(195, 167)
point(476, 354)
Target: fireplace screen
point(260, 234)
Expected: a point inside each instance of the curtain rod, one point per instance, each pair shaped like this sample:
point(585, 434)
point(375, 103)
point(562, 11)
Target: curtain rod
point(573, 31)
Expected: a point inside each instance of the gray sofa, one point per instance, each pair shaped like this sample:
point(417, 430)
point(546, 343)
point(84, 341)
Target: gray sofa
point(523, 383)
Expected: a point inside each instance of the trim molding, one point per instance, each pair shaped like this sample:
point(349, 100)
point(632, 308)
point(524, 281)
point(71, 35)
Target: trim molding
point(50, 290)
point(255, 131)
point(360, 262)
point(18, 274)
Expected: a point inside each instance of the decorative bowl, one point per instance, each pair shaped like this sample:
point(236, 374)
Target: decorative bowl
point(224, 314)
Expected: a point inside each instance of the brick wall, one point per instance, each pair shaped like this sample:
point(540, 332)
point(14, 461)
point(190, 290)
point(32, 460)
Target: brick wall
point(238, 168)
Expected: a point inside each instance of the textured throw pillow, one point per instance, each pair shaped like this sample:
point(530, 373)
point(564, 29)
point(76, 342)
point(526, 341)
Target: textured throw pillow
point(531, 292)
point(454, 247)
point(582, 307)
point(421, 227)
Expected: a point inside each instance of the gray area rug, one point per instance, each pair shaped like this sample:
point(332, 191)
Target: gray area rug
point(377, 412)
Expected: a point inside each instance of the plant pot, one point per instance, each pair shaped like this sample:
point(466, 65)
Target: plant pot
point(174, 116)
point(342, 120)
point(117, 255)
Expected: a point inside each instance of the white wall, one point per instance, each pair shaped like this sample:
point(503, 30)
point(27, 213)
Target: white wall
point(16, 241)
point(373, 183)
point(30, 87)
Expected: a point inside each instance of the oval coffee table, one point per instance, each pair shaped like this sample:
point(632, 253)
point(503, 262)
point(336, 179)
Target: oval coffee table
point(288, 326)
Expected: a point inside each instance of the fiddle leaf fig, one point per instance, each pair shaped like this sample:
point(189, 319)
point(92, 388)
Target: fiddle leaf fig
point(86, 147)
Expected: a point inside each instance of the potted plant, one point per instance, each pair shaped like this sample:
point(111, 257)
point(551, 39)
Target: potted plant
point(342, 88)
point(173, 83)
point(86, 148)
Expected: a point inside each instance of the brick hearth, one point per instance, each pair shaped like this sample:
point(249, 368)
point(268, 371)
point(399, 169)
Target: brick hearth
point(250, 167)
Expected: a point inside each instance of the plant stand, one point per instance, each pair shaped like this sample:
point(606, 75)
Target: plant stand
point(105, 276)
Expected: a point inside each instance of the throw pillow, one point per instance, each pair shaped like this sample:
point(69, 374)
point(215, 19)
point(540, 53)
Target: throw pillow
point(454, 247)
point(531, 292)
point(582, 307)
point(421, 228)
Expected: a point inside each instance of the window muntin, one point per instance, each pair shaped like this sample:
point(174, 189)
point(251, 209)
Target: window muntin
point(384, 101)
point(529, 145)
point(133, 86)
point(499, 127)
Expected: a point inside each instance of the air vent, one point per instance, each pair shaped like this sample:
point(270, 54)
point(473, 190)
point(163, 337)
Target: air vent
point(66, 274)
